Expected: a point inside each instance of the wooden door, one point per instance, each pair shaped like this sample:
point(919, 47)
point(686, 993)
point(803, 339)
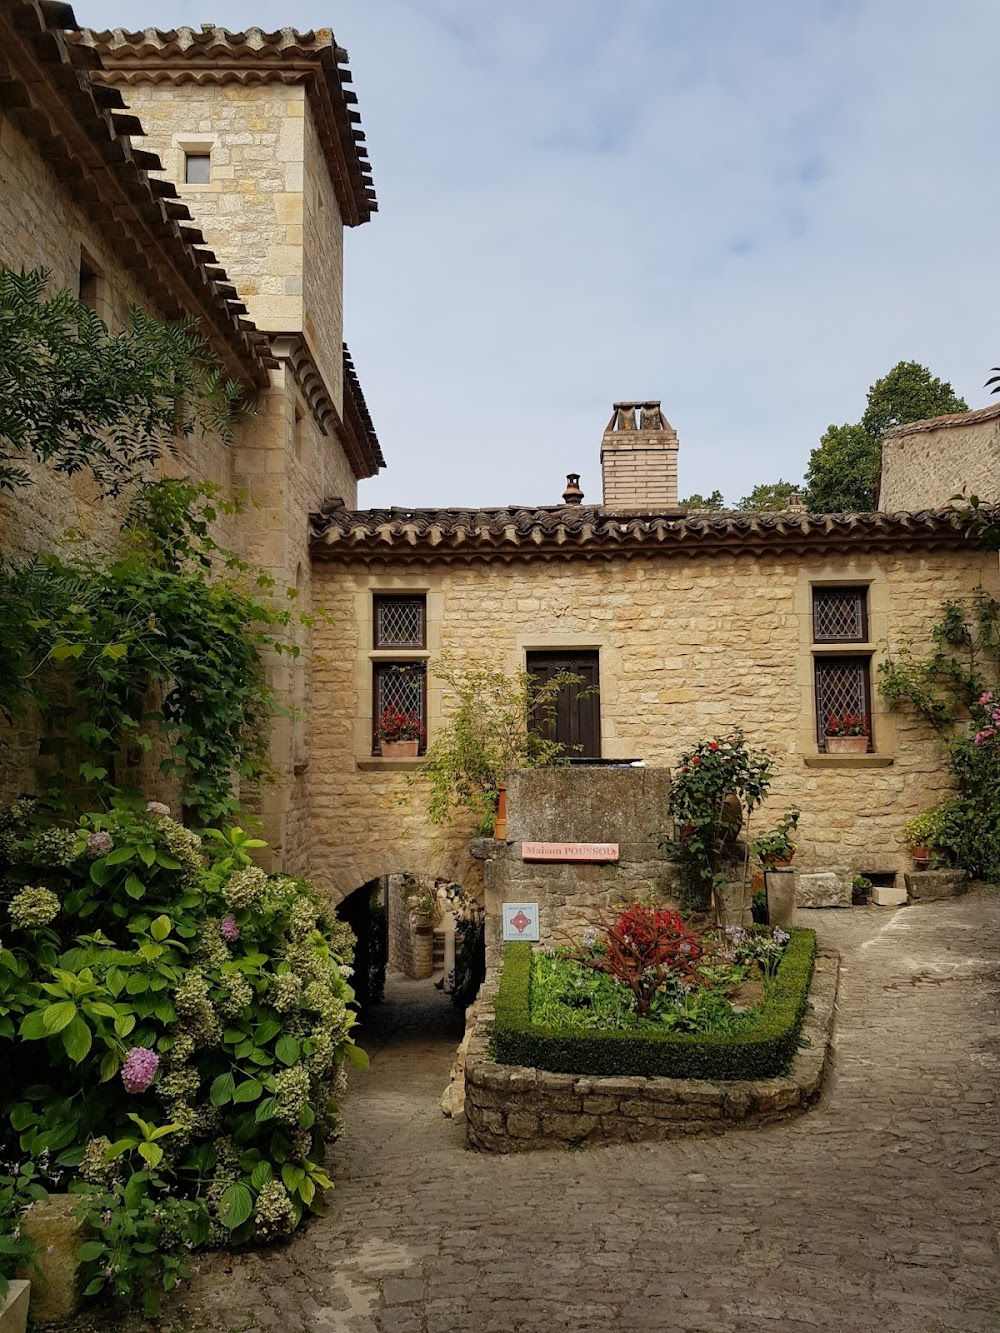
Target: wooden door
point(577, 720)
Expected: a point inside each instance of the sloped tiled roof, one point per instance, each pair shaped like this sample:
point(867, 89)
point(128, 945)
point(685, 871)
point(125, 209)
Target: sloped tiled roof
point(593, 532)
point(990, 413)
point(215, 55)
point(82, 132)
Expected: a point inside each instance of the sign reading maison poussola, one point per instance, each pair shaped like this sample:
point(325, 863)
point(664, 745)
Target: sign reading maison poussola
point(569, 851)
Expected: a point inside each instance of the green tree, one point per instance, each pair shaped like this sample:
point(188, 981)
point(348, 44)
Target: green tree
point(908, 393)
point(769, 497)
point(78, 397)
point(842, 476)
point(843, 472)
point(713, 502)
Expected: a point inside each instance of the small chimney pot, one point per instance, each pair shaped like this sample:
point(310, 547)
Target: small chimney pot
point(572, 495)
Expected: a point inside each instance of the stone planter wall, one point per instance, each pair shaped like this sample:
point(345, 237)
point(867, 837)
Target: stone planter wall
point(510, 1108)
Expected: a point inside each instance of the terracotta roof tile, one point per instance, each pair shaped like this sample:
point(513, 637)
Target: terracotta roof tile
point(990, 413)
point(595, 532)
point(47, 92)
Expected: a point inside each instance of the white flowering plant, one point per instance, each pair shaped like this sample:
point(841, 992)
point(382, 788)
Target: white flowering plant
point(151, 976)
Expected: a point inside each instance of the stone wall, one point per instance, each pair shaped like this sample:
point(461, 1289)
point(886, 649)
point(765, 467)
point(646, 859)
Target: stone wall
point(269, 211)
point(688, 647)
point(924, 466)
point(279, 458)
point(625, 806)
point(513, 1108)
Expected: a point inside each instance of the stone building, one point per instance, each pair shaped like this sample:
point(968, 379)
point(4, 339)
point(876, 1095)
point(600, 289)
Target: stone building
point(690, 624)
point(233, 211)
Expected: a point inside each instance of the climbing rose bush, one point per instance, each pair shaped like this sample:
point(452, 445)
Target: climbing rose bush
point(174, 1024)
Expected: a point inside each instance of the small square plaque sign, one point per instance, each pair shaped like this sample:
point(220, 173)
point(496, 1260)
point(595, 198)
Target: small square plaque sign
point(520, 921)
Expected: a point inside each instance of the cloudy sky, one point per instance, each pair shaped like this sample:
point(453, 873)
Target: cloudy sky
point(748, 210)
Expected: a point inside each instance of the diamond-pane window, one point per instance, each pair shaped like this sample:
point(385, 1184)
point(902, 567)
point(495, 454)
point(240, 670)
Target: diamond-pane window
point(840, 615)
point(843, 685)
point(400, 622)
point(401, 687)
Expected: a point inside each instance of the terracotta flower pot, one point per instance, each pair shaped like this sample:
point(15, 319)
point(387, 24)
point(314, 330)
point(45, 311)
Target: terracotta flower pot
point(399, 749)
point(846, 744)
point(921, 857)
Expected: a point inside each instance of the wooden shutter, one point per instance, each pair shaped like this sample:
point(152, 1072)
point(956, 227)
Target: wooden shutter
point(577, 721)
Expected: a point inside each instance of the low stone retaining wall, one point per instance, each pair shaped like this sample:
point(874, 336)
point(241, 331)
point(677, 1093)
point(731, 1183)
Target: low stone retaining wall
point(510, 1108)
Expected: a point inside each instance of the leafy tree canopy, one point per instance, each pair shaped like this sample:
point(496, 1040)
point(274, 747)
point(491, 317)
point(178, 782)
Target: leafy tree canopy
point(768, 497)
point(78, 397)
point(843, 471)
point(712, 502)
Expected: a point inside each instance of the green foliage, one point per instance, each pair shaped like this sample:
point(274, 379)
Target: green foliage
point(18, 1191)
point(764, 1049)
point(78, 397)
point(567, 995)
point(843, 471)
point(909, 392)
point(944, 686)
point(769, 497)
point(842, 476)
point(150, 645)
point(173, 1025)
point(954, 689)
point(711, 787)
point(704, 503)
point(777, 844)
point(924, 830)
point(494, 722)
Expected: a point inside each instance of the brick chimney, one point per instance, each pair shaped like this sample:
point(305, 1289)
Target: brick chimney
point(639, 457)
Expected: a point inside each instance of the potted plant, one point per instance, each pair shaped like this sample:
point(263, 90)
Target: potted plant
point(861, 891)
point(775, 848)
point(921, 835)
point(399, 734)
point(847, 734)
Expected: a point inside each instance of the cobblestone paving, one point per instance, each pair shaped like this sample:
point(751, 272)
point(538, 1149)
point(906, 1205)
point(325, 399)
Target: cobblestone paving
point(878, 1210)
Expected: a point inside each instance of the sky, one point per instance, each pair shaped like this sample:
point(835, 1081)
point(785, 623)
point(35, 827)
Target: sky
point(748, 210)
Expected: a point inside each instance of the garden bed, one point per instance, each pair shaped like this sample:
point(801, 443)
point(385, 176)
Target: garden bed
point(533, 1087)
point(762, 1047)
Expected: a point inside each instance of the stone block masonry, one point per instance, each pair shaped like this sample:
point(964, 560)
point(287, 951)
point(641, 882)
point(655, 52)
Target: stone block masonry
point(512, 1108)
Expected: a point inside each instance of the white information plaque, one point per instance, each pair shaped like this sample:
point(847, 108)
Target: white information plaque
point(520, 921)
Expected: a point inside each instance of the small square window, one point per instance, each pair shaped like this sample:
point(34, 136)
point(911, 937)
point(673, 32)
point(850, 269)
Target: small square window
point(840, 615)
point(197, 168)
point(400, 622)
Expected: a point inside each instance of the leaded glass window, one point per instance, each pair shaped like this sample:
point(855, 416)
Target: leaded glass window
point(401, 688)
point(840, 615)
point(843, 686)
point(400, 622)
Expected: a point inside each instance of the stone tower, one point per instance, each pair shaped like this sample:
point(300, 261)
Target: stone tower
point(639, 457)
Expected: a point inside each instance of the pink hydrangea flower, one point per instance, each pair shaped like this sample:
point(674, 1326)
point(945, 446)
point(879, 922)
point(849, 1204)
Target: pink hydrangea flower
point(228, 928)
point(157, 808)
point(99, 844)
point(139, 1068)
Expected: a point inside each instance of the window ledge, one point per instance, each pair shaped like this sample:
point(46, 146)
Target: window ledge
point(848, 760)
point(375, 764)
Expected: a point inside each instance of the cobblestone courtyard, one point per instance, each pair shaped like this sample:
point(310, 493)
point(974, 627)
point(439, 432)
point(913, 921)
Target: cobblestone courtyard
point(878, 1210)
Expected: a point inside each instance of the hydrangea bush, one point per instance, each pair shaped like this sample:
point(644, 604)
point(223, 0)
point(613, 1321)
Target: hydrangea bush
point(154, 978)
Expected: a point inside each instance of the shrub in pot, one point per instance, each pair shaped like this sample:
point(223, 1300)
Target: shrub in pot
point(775, 847)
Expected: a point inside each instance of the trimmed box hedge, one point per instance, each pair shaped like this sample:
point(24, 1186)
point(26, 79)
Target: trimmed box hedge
point(764, 1051)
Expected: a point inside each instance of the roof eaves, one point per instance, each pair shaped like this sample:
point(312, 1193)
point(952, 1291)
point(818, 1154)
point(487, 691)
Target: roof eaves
point(47, 92)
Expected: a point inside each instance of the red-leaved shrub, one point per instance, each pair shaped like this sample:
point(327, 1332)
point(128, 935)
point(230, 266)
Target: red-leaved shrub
point(645, 947)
